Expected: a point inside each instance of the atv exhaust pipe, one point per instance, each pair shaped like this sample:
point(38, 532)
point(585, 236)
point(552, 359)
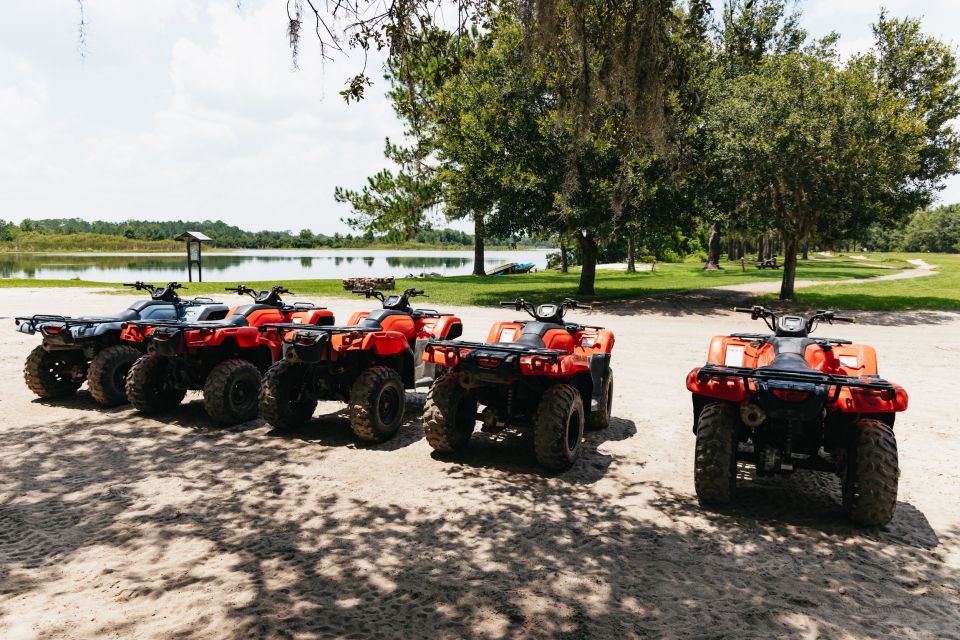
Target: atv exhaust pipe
point(752, 415)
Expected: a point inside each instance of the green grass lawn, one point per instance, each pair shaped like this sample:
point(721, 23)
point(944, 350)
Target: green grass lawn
point(939, 292)
point(473, 290)
point(27, 283)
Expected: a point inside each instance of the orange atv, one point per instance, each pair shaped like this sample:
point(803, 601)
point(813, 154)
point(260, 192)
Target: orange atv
point(368, 364)
point(784, 401)
point(418, 325)
point(546, 374)
point(223, 358)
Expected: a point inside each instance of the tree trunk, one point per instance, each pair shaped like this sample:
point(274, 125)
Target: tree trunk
point(564, 259)
point(731, 249)
point(588, 262)
point(631, 255)
point(478, 245)
point(806, 249)
point(743, 250)
point(789, 268)
point(713, 248)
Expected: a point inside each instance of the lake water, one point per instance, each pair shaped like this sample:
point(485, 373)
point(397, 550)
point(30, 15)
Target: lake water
point(252, 265)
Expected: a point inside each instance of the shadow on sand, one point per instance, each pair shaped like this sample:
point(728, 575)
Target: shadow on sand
point(501, 551)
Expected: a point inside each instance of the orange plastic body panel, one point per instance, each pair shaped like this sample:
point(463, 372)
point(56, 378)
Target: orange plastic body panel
point(436, 327)
point(402, 324)
point(382, 343)
point(847, 360)
point(421, 328)
point(579, 347)
point(505, 332)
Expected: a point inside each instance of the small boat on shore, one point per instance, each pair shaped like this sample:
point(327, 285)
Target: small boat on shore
point(511, 268)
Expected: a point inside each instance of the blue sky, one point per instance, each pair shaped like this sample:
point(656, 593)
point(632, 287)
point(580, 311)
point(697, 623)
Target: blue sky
point(191, 109)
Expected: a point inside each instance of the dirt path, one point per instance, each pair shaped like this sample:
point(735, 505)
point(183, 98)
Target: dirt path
point(117, 525)
point(759, 288)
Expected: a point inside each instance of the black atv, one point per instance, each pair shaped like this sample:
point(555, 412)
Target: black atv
point(89, 347)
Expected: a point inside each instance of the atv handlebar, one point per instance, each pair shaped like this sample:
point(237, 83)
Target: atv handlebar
point(559, 308)
point(772, 318)
point(139, 286)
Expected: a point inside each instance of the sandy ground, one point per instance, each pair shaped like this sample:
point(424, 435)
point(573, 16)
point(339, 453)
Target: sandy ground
point(114, 525)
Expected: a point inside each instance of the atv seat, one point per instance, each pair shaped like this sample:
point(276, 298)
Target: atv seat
point(124, 316)
point(788, 362)
point(790, 354)
point(248, 309)
point(374, 318)
point(236, 320)
point(533, 334)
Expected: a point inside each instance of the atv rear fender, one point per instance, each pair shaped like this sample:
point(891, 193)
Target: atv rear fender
point(357, 317)
point(843, 359)
point(725, 388)
point(446, 327)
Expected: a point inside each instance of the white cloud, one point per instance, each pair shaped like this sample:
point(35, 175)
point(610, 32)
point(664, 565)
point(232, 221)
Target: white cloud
point(224, 128)
point(190, 109)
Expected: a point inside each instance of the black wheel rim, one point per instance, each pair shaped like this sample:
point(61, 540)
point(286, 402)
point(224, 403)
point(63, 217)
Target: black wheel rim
point(389, 405)
point(242, 394)
point(58, 368)
point(574, 427)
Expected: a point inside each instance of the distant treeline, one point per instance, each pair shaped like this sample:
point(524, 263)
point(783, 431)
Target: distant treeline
point(83, 235)
point(935, 230)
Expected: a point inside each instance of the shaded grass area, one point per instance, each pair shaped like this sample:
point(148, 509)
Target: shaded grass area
point(939, 292)
point(547, 285)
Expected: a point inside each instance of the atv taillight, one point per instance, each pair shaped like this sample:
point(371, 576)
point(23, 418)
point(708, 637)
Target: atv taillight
point(16, 322)
point(54, 330)
point(790, 395)
point(306, 339)
point(489, 363)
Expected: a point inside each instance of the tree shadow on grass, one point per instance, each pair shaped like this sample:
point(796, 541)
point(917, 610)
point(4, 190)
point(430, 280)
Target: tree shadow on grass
point(254, 545)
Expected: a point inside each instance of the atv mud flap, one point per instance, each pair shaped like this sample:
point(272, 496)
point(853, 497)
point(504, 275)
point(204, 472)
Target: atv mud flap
point(599, 371)
point(165, 342)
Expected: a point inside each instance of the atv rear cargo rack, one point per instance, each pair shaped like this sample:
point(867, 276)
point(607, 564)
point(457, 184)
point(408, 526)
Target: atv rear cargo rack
point(430, 313)
point(766, 337)
point(282, 327)
point(509, 348)
point(785, 375)
point(66, 321)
